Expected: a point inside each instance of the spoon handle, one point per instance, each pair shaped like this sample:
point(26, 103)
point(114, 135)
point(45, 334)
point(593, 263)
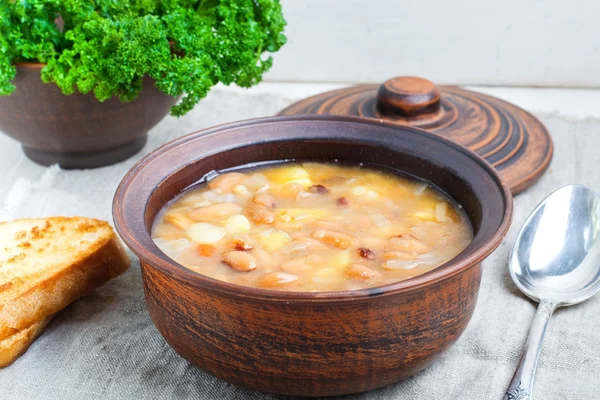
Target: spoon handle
point(521, 386)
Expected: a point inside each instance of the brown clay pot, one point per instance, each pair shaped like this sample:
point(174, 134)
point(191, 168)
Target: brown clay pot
point(312, 344)
point(77, 131)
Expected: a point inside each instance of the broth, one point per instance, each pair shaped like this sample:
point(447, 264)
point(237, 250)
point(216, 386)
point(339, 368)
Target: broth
point(311, 227)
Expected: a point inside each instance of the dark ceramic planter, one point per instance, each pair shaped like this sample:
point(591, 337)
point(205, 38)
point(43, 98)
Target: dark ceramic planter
point(77, 131)
point(312, 344)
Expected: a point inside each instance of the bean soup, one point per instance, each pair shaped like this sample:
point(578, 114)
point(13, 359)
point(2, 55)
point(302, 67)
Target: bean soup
point(311, 227)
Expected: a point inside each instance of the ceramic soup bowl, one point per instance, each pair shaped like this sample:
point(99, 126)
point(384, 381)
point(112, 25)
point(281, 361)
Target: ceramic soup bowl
point(311, 343)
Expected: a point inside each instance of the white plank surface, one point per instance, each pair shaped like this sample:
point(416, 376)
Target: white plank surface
point(513, 42)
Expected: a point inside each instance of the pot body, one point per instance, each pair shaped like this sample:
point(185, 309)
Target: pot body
point(311, 348)
point(77, 131)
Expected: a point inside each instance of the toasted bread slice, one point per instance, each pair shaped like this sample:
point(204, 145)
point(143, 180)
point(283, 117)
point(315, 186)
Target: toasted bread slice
point(45, 264)
point(14, 346)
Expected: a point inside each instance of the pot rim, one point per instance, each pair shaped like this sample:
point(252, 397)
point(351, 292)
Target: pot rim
point(155, 258)
point(27, 64)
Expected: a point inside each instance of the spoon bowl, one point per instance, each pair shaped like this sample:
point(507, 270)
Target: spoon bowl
point(555, 261)
point(556, 256)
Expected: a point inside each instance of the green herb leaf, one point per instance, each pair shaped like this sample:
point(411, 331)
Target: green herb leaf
point(108, 46)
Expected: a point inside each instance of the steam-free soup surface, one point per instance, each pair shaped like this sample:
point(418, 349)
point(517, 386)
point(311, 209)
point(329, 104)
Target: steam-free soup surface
point(312, 227)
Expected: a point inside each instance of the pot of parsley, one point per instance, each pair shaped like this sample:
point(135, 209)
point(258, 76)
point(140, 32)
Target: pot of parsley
point(83, 81)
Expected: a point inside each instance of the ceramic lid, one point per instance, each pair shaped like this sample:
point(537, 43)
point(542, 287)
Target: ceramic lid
point(516, 143)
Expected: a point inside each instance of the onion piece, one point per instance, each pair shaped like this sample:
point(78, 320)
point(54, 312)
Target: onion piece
point(429, 258)
point(172, 248)
point(379, 219)
point(421, 188)
point(299, 246)
point(401, 264)
point(391, 205)
point(441, 214)
point(212, 195)
point(257, 182)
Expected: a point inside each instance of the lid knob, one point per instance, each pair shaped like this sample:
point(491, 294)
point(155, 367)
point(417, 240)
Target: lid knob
point(408, 96)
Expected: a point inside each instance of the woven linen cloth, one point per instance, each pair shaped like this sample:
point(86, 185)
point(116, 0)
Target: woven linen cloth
point(104, 346)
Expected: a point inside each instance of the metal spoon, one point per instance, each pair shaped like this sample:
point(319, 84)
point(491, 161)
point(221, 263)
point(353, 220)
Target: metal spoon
point(556, 262)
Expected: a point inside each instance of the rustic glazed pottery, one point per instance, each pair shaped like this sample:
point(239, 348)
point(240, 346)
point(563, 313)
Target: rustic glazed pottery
point(77, 131)
point(516, 143)
point(312, 344)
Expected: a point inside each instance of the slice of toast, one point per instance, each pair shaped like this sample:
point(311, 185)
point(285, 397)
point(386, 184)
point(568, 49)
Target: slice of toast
point(14, 346)
point(47, 263)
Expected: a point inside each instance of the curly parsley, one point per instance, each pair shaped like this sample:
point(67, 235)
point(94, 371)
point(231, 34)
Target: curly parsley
point(108, 46)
